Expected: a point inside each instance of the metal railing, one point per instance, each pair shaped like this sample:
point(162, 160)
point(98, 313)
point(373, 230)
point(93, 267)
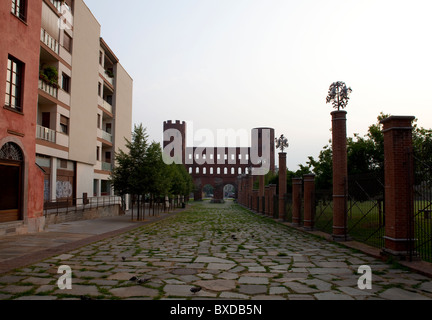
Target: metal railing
point(51, 90)
point(57, 4)
point(45, 134)
point(324, 210)
point(365, 209)
point(72, 205)
point(49, 41)
point(105, 166)
point(106, 136)
point(422, 213)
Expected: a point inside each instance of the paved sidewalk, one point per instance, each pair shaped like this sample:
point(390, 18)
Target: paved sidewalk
point(21, 250)
point(226, 251)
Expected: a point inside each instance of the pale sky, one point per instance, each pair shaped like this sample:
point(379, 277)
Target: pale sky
point(241, 64)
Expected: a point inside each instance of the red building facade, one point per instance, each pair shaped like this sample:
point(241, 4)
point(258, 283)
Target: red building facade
point(220, 166)
point(21, 180)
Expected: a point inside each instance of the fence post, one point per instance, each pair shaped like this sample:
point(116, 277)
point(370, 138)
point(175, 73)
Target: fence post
point(296, 201)
point(282, 184)
point(261, 193)
point(340, 175)
point(398, 176)
point(267, 200)
point(309, 202)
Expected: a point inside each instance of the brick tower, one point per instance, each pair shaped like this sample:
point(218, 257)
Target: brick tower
point(180, 126)
point(263, 145)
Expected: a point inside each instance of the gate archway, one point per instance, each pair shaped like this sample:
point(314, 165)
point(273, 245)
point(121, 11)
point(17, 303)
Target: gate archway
point(11, 182)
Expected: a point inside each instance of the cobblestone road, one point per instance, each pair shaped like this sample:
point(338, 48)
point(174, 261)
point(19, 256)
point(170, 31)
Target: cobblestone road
point(227, 251)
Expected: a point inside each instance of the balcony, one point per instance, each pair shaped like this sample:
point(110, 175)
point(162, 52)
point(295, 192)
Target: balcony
point(105, 166)
point(109, 78)
point(45, 134)
point(57, 4)
point(51, 90)
point(106, 136)
point(107, 106)
point(49, 41)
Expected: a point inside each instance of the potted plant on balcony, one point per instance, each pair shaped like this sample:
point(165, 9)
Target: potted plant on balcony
point(109, 73)
point(49, 75)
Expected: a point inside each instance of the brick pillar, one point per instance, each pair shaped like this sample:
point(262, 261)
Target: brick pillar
point(198, 192)
point(309, 201)
point(398, 169)
point(340, 175)
point(296, 201)
point(250, 182)
point(267, 200)
point(272, 194)
point(218, 194)
point(282, 184)
point(241, 190)
point(255, 200)
point(261, 193)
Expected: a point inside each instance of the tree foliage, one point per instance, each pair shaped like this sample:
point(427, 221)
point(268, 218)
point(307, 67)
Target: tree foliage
point(365, 154)
point(141, 170)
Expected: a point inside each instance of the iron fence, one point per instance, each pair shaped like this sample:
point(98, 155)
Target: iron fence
point(73, 205)
point(275, 206)
point(288, 207)
point(365, 208)
point(422, 193)
point(324, 210)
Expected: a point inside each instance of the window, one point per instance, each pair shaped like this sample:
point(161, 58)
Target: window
point(101, 58)
point(63, 164)
point(108, 156)
point(67, 42)
point(19, 9)
point(14, 80)
point(108, 128)
point(64, 124)
point(97, 153)
point(99, 89)
point(99, 121)
point(66, 83)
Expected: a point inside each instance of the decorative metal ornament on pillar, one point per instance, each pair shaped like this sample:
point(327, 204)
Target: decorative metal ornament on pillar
point(338, 96)
point(282, 143)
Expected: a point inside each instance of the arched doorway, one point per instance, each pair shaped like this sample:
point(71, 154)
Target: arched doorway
point(208, 191)
point(229, 191)
point(11, 184)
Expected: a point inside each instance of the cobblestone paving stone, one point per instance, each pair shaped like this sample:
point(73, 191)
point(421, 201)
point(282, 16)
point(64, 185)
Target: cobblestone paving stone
point(228, 251)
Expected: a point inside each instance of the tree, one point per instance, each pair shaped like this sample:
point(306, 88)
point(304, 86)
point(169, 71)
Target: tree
point(366, 154)
point(142, 173)
point(126, 176)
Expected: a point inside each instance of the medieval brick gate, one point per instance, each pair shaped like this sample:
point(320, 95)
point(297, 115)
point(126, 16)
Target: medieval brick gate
point(220, 166)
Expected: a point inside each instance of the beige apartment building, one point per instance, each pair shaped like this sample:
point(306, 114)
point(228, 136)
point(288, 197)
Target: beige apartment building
point(84, 116)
